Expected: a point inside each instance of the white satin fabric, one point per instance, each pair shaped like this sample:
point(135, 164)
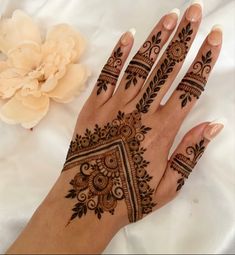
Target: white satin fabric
point(202, 218)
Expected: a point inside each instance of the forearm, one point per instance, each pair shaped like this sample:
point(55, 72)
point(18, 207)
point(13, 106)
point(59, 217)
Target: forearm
point(49, 230)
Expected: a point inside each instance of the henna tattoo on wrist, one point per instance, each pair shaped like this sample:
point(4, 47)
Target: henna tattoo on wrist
point(175, 53)
point(185, 164)
point(111, 167)
point(194, 82)
point(110, 72)
point(142, 63)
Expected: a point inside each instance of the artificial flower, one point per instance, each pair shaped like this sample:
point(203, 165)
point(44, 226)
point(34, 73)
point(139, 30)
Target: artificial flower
point(34, 70)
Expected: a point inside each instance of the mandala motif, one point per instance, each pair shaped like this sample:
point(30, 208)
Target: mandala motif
point(177, 51)
point(110, 168)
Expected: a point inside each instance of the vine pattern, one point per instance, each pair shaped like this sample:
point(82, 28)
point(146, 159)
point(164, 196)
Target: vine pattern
point(175, 53)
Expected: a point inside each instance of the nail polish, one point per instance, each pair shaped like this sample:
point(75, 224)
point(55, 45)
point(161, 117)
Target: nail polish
point(127, 37)
point(194, 11)
point(212, 130)
point(170, 19)
point(215, 36)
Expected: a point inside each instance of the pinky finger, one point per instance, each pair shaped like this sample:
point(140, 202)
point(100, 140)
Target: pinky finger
point(184, 159)
point(109, 75)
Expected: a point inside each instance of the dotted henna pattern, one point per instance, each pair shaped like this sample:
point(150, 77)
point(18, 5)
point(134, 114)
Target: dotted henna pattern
point(111, 167)
point(185, 164)
point(194, 82)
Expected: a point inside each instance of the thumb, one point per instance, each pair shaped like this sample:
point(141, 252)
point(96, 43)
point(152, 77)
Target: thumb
point(184, 159)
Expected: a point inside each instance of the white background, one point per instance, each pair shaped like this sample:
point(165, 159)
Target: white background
point(202, 218)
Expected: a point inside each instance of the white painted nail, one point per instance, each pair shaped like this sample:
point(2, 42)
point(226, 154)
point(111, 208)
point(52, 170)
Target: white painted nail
point(219, 120)
point(132, 31)
point(200, 2)
point(217, 27)
point(176, 11)
point(212, 130)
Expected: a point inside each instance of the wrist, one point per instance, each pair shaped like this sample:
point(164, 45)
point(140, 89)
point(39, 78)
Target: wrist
point(49, 230)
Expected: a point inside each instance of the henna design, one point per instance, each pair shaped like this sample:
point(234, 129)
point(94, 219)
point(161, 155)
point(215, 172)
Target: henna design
point(142, 63)
point(194, 82)
point(111, 167)
point(176, 52)
point(185, 164)
point(110, 72)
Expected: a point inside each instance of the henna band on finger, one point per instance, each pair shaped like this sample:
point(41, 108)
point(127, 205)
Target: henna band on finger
point(142, 63)
point(184, 164)
point(194, 82)
point(110, 72)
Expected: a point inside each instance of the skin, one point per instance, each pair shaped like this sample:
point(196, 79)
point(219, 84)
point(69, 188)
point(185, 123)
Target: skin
point(48, 231)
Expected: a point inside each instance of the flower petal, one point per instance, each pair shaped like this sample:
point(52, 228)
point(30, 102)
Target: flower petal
point(71, 84)
point(11, 79)
point(25, 56)
point(63, 32)
point(3, 66)
point(19, 28)
point(25, 111)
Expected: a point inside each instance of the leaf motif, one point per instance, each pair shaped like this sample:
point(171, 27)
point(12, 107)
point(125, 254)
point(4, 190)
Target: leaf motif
point(156, 89)
point(74, 215)
point(190, 32)
point(153, 38)
point(184, 102)
point(180, 35)
point(208, 54)
point(99, 90)
point(128, 84)
point(129, 76)
point(159, 34)
point(203, 59)
point(201, 143)
point(188, 27)
point(134, 81)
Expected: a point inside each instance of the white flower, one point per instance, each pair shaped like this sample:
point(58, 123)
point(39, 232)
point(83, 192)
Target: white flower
point(34, 71)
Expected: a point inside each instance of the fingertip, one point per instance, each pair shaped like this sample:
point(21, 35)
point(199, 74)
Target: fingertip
point(170, 20)
point(215, 36)
point(212, 130)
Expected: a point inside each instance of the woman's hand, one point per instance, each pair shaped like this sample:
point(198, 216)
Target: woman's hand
point(118, 168)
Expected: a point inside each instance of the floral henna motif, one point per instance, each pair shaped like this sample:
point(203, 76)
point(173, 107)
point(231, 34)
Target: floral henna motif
point(194, 82)
point(185, 164)
point(110, 72)
point(111, 167)
point(176, 52)
point(142, 63)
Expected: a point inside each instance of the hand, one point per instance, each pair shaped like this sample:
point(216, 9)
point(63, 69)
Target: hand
point(118, 159)
point(118, 168)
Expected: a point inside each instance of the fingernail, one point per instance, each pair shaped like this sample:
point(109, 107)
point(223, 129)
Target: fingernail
point(128, 37)
point(212, 130)
point(194, 12)
point(171, 18)
point(215, 36)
